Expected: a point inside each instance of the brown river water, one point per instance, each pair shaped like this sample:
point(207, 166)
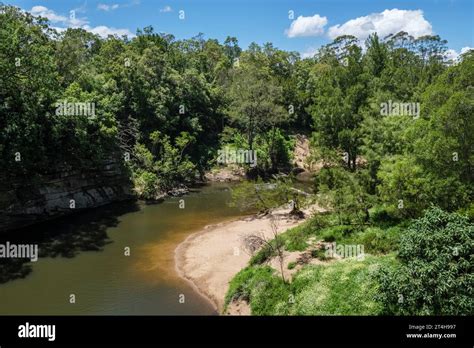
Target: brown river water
point(84, 255)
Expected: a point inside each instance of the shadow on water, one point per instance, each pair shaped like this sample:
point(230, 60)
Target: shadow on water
point(63, 237)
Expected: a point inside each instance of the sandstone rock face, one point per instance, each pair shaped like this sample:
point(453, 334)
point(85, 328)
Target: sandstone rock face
point(24, 203)
point(226, 174)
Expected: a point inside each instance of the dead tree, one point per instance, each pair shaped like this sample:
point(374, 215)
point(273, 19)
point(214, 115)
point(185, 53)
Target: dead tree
point(275, 244)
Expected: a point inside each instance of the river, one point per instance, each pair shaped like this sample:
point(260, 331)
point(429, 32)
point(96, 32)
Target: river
point(84, 256)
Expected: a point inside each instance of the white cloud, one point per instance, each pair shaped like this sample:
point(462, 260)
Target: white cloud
point(71, 20)
point(105, 7)
point(454, 56)
point(309, 53)
point(465, 49)
point(75, 22)
point(307, 26)
point(47, 13)
point(166, 9)
point(451, 55)
point(384, 23)
point(104, 31)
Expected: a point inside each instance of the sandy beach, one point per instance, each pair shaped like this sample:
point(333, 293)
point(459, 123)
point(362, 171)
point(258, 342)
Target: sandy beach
point(210, 258)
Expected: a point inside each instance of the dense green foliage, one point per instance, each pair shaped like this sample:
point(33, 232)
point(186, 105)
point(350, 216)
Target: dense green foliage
point(171, 104)
point(263, 196)
point(435, 274)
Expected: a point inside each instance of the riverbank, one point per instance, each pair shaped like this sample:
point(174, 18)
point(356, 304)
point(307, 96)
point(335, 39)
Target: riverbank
point(210, 258)
point(29, 200)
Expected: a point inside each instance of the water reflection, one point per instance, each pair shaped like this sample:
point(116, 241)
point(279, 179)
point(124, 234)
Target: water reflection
point(63, 237)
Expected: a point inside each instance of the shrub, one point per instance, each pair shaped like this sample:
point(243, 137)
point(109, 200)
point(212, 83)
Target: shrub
point(337, 233)
point(266, 293)
point(291, 265)
point(468, 211)
point(384, 216)
point(319, 254)
point(262, 255)
point(376, 240)
point(435, 275)
point(343, 192)
point(146, 185)
point(274, 150)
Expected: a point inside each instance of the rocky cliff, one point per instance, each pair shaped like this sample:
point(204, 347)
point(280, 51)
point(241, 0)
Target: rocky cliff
point(24, 203)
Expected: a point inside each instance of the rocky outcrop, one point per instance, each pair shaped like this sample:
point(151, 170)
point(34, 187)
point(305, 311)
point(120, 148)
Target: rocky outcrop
point(302, 155)
point(24, 203)
point(225, 174)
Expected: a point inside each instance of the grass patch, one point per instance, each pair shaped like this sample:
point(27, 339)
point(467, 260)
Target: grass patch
point(261, 256)
point(378, 241)
point(340, 288)
point(296, 237)
point(291, 265)
point(319, 254)
point(375, 239)
point(341, 233)
point(265, 291)
point(345, 287)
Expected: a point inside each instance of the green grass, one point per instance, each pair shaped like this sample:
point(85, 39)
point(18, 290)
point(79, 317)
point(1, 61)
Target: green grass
point(345, 287)
point(379, 238)
point(296, 237)
point(340, 233)
point(379, 241)
point(261, 256)
point(261, 288)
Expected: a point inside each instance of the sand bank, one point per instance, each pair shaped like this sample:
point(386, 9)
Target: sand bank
point(210, 258)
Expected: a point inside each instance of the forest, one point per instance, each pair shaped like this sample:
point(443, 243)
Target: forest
point(390, 123)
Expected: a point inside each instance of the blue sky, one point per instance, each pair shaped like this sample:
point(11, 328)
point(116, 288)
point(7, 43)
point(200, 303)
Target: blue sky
point(314, 22)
